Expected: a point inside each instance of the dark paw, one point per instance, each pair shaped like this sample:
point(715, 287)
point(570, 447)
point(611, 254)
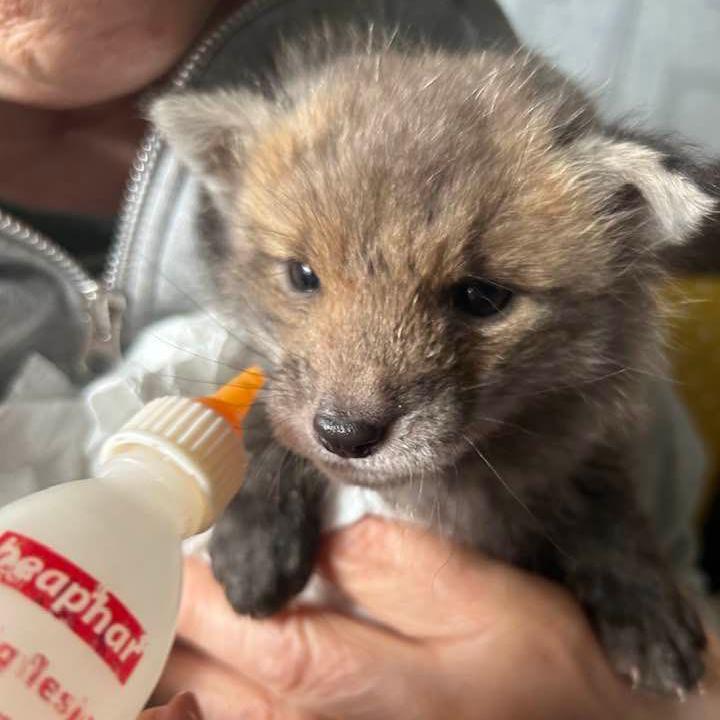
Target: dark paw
point(261, 555)
point(656, 640)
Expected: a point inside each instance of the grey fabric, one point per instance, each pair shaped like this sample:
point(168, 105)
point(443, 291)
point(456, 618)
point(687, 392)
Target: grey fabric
point(39, 310)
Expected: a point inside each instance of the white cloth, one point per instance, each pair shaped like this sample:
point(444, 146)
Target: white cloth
point(52, 433)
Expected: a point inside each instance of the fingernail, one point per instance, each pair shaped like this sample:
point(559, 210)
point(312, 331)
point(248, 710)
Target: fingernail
point(186, 707)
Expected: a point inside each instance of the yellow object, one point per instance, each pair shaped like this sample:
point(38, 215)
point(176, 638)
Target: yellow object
point(695, 353)
point(233, 400)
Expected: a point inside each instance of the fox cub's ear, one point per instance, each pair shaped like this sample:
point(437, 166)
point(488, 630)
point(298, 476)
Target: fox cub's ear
point(210, 132)
point(670, 192)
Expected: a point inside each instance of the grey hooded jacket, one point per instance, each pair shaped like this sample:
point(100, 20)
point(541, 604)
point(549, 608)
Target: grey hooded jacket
point(48, 304)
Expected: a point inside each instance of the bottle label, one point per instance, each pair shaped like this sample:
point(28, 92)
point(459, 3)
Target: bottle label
point(74, 598)
point(36, 683)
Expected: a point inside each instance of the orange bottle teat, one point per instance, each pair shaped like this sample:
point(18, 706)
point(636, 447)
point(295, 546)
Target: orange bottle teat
point(233, 400)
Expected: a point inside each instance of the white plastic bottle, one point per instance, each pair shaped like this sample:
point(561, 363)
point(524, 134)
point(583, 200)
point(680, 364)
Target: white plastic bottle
point(90, 571)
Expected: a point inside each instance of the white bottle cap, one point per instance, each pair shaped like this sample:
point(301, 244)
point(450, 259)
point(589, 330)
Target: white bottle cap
point(199, 437)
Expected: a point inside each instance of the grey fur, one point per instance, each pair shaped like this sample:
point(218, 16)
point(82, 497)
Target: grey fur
point(395, 173)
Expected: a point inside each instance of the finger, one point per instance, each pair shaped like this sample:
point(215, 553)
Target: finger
point(181, 707)
point(154, 714)
point(221, 693)
point(424, 586)
point(319, 661)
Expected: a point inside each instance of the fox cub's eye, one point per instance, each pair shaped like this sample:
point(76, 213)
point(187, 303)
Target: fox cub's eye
point(480, 298)
point(302, 277)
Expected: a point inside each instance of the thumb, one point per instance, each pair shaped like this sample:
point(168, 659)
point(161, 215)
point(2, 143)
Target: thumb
point(424, 586)
point(319, 661)
point(182, 707)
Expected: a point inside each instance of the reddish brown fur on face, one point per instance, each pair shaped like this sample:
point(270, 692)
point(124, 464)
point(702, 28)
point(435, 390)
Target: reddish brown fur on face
point(396, 176)
point(346, 172)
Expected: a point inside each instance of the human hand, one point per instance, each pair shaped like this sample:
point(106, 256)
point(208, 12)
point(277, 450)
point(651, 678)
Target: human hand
point(458, 636)
point(182, 707)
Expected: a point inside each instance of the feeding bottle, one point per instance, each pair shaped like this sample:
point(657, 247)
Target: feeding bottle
point(90, 571)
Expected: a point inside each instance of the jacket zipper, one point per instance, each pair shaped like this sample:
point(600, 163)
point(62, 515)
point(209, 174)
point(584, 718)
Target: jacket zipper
point(101, 307)
point(102, 301)
point(119, 256)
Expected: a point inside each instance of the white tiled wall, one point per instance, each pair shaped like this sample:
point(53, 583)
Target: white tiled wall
point(656, 59)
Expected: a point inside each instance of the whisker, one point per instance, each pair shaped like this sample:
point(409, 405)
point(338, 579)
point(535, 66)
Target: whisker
point(213, 317)
point(187, 351)
point(581, 384)
point(516, 497)
point(275, 483)
point(554, 388)
point(199, 381)
point(250, 333)
point(507, 423)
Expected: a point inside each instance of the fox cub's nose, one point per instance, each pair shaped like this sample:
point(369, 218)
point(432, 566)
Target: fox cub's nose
point(348, 438)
